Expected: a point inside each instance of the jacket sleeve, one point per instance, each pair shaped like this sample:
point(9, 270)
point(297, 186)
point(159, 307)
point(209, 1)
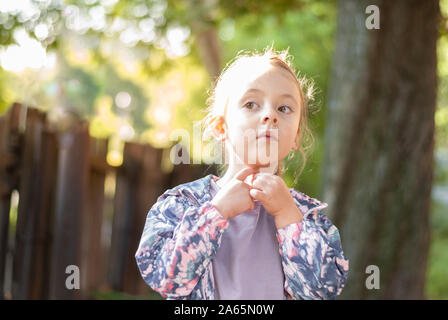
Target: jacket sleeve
point(313, 261)
point(178, 242)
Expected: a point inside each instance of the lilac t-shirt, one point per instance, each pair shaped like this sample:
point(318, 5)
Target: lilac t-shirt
point(247, 265)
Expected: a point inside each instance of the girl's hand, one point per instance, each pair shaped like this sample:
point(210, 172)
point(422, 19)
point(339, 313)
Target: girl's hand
point(274, 194)
point(234, 198)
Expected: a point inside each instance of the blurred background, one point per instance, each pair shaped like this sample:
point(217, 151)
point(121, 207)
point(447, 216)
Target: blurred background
point(92, 91)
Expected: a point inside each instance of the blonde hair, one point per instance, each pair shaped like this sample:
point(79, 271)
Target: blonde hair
point(218, 100)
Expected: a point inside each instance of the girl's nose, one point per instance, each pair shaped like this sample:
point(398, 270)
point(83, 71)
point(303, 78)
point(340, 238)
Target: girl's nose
point(271, 118)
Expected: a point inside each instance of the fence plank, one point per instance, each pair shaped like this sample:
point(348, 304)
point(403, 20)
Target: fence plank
point(139, 181)
point(93, 258)
point(124, 209)
point(70, 211)
point(5, 203)
point(9, 157)
point(150, 186)
point(29, 239)
point(40, 289)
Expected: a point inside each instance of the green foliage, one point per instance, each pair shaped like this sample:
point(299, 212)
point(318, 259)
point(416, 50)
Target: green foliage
point(112, 83)
point(5, 97)
point(437, 284)
point(78, 88)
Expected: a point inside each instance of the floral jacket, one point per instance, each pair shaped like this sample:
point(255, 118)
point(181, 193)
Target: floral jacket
point(183, 232)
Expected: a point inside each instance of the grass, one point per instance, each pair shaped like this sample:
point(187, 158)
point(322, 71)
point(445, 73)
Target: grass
point(437, 275)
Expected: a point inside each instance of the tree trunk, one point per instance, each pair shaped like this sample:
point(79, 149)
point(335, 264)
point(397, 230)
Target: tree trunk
point(207, 42)
point(380, 140)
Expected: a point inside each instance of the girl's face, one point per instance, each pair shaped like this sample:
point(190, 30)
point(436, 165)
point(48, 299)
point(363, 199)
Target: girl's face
point(265, 103)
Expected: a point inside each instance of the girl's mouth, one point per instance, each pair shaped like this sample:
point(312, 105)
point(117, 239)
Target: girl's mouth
point(268, 135)
point(268, 138)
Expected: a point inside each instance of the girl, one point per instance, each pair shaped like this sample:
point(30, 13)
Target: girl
point(246, 235)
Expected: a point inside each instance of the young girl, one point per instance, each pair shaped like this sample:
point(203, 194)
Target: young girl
point(246, 235)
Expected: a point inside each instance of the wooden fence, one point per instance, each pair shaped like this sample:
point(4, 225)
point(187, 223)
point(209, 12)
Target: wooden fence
point(64, 216)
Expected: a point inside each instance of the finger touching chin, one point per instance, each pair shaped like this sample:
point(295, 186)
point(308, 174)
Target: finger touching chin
point(250, 179)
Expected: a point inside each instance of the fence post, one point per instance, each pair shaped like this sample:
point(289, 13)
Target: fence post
point(150, 186)
point(93, 256)
point(70, 210)
point(140, 181)
point(10, 149)
point(47, 209)
point(5, 203)
point(9, 161)
point(31, 242)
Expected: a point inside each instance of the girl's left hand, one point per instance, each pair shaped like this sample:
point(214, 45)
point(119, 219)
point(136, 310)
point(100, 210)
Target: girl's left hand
point(275, 196)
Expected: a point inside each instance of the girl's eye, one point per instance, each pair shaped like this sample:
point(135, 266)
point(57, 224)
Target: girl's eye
point(250, 105)
point(285, 109)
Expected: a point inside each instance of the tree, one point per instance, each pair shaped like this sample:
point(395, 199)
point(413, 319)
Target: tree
point(380, 140)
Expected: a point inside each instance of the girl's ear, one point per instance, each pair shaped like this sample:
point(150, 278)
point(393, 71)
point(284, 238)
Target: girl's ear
point(217, 127)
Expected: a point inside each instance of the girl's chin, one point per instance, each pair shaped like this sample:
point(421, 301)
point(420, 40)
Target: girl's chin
point(261, 163)
point(263, 167)
point(259, 158)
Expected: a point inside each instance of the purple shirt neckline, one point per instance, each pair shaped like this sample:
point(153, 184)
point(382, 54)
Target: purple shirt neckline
point(247, 265)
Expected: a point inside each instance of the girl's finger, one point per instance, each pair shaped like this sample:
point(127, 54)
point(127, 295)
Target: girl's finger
point(243, 173)
point(257, 194)
point(260, 181)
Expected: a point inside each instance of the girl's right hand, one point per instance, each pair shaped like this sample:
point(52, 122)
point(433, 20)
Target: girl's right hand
point(234, 197)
